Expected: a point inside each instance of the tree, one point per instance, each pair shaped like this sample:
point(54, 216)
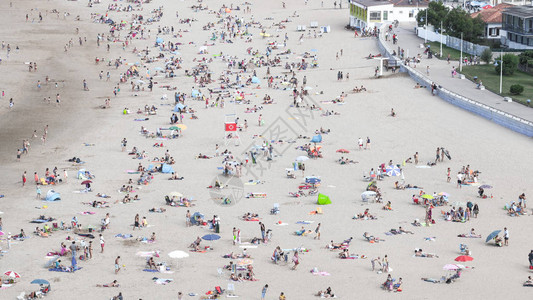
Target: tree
point(436, 12)
point(454, 22)
point(486, 56)
point(526, 57)
point(510, 63)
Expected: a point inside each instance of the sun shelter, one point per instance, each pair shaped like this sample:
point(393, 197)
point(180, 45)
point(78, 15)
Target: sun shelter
point(167, 169)
point(52, 195)
point(323, 199)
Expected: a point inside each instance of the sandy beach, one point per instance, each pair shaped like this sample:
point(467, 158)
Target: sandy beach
point(79, 127)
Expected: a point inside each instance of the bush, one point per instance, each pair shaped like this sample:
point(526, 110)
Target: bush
point(510, 63)
point(486, 56)
point(516, 89)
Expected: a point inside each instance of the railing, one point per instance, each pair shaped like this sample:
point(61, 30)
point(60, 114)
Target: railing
point(500, 117)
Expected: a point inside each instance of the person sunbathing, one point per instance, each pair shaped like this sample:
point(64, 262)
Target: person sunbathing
point(419, 253)
point(157, 210)
point(112, 284)
point(400, 229)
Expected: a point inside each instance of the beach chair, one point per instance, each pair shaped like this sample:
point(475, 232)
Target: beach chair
point(220, 272)
point(275, 209)
point(231, 290)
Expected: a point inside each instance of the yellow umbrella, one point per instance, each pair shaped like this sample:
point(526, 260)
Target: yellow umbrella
point(182, 126)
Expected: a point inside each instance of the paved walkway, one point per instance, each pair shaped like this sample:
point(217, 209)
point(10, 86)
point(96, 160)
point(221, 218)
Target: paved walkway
point(440, 72)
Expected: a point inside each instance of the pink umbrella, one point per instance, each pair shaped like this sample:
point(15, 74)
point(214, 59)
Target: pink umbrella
point(487, 6)
point(12, 274)
point(2, 233)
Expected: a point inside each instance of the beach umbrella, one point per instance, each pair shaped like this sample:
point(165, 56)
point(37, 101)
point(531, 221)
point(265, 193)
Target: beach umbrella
point(182, 126)
point(203, 48)
point(211, 237)
point(85, 182)
point(302, 158)
point(307, 88)
point(316, 139)
point(393, 171)
point(158, 69)
point(343, 151)
point(175, 194)
point(245, 262)
point(492, 235)
point(368, 193)
point(486, 186)
point(312, 180)
point(178, 254)
point(159, 40)
point(51, 262)
point(443, 194)
point(314, 50)
point(40, 281)
point(12, 274)
point(140, 81)
point(2, 233)
point(427, 196)
point(487, 6)
point(464, 258)
point(174, 128)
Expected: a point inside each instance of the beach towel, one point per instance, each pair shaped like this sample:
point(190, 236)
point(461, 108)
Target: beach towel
point(150, 270)
point(38, 221)
point(145, 119)
point(162, 281)
point(304, 222)
point(87, 213)
point(321, 273)
point(65, 271)
point(124, 236)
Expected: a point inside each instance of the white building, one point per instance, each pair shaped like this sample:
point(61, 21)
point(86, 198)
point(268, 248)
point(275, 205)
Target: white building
point(370, 13)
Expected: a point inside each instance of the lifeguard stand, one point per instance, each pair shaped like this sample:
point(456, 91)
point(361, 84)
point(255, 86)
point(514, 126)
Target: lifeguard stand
point(230, 127)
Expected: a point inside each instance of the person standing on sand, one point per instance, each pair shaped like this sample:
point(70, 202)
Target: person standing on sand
point(117, 264)
point(459, 180)
point(38, 197)
point(262, 228)
point(416, 158)
point(448, 175)
point(367, 146)
point(24, 179)
point(530, 256)
point(506, 236)
point(90, 248)
point(102, 243)
point(188, 219)
point(137, 222)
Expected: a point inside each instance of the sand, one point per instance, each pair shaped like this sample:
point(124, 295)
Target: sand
point(423, 123)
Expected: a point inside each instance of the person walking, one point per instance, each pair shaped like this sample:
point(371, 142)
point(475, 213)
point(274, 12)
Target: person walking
point(317, 231)
point(530, 257)
point(264, 291)
point(262, 227)
point(24, 179)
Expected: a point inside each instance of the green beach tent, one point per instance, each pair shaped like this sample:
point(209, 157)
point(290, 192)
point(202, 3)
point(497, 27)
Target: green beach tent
point(323, 199)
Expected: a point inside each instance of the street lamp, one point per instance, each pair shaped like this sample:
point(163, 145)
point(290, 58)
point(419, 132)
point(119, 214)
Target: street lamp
point(441, 39)
point(501, 69)
point(426, 38)
point(461, 61)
